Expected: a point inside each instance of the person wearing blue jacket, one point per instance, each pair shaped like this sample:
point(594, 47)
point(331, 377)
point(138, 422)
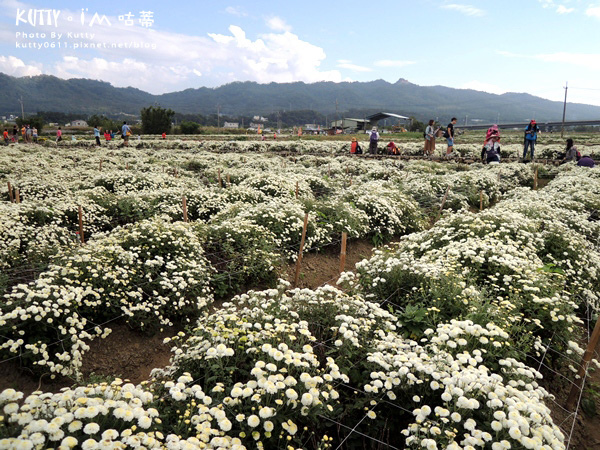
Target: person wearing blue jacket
point(530, 138)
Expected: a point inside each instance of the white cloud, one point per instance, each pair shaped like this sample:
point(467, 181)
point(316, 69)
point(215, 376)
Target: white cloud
point(593, 11)
point(15, 67)
point(585, 60)
point(393, 63)
point(278, 24)
point(346, 64)
point(561, 9)
point(236, 11)
point(484, 87)
point(468, 10)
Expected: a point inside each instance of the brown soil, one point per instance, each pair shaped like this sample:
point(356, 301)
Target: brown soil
point(322, 268)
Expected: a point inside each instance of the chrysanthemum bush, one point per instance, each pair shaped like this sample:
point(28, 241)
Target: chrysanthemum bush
point(150, 273)
point(242, 253)
point(275, 369)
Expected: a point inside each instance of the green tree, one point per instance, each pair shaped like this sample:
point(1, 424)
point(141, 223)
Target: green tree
point(189, 127)
point(35, 121)
point(415, 125)
point(156, 120)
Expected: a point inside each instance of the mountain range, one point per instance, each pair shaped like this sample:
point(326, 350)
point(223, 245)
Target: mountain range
point(349, 99)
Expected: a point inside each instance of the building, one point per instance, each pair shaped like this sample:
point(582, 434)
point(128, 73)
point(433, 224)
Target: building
point(234, 125)
point(78, 123)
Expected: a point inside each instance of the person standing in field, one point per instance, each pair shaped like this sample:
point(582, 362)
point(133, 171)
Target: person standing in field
point(5, 136)
point(15, 134)
point(449, 135)
point(373, 141)
point(58, 135)
point(35, 135)
point(97, 134)
point(429, 139)
point(28, 134)
point(23, 131)
point(125, 133)
point(530, 138)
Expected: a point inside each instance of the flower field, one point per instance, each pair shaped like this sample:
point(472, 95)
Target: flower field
point(442, 339)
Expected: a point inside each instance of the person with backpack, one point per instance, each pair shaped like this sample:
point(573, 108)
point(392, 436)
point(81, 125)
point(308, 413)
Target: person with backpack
point(429, 136)
point(490, 153)
point(493, 130)
point(373, 141)
point(449, 135)
point(355, 147)
point(530, 138)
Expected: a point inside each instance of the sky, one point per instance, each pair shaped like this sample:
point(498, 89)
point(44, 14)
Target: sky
point(532, 46)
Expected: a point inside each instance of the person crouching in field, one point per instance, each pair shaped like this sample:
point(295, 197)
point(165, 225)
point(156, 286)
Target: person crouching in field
point(355, 147)
point(491, 150)
point(391, 149)
point(373, 141)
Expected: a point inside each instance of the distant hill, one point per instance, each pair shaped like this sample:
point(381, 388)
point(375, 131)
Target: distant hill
point(49, 93)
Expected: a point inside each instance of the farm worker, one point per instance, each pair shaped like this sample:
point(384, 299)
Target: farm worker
point(125, 133)
point(429, 139)
point(392, 149)
point(164, 135)
point(586, 161)
point(491, 150)
point(23, 130)
point(28, 133)
point(106, 135)
point(35, 134)
point(571, 153)
point(530, 138)
point(373, 140)
point(355, 147)
point(58, 135)
point(15, 133)
point(449, 135)
point(5, 136)
point(97, 134)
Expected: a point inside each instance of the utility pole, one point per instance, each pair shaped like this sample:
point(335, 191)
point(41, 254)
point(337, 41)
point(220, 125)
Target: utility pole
point(218, 116)
point(562, 129)
point(22, 110)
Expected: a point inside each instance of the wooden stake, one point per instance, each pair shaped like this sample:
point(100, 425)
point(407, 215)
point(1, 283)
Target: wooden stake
point(17, 196)
point(228, 180)
point(299, 260)
point(81, 237)
point(350, 181)
point(296, 190)
point(443, 203)
point(185, 215)
point(10, 193)
point(535, 179)
point(100, 165)
point(587, 356)
point(481, 200)
point(220, 179)
point(127, 167)
point(498, 177)
point(343, 252)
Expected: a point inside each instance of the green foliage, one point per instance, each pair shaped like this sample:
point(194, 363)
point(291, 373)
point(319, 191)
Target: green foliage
point(96, 120)
point(35, 122)
point(156, 120)
point(189, 127)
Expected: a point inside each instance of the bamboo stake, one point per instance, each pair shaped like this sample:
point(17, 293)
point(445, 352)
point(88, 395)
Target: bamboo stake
point(299, 260)
point(228, 180)
point(81, 236)
point(220, 179)
point(443, 203)
point(343, 252)
point(296, 190)
point(185, 214)
point(535, 179)
point(101, 165)
point(127, 167)
point(17, 196)
point(481, 200)
point(10, 193)
point(587, 356)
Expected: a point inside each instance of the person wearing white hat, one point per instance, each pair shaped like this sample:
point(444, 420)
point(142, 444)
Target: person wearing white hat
point(373, 140)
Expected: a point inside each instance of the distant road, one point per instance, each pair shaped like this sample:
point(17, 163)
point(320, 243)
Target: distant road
point(546, 126)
